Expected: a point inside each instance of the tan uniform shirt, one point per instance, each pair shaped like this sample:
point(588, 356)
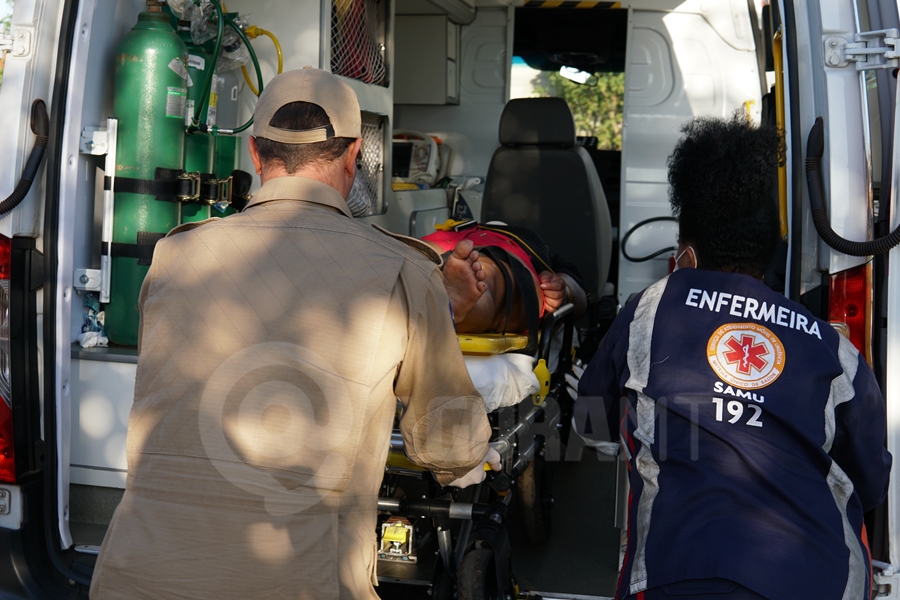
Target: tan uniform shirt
point(274, 344)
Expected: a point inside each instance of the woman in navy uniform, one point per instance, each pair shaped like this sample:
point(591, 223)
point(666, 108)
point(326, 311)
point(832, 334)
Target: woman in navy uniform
point(754, 432)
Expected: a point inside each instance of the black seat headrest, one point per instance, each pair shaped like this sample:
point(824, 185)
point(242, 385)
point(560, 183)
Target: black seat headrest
point(537, 121)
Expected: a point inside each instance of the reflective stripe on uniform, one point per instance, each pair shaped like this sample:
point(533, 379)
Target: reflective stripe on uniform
point(840, 485)
point(640, 335)
point(841, 387)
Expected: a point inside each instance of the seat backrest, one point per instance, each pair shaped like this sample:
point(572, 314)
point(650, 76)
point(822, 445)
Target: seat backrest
point(541, 179)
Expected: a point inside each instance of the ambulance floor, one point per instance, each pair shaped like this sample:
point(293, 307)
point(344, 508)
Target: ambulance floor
point(581, 558)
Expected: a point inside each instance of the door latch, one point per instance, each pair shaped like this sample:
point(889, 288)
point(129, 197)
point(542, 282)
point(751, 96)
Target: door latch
point(887, 580)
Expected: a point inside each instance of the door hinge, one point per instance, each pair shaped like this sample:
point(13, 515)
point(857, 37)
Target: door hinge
point(17, 42)
point(887, 580)
point(869, 50)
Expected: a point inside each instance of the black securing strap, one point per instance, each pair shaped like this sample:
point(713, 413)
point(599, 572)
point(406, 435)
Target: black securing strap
point(165, 186)
point(174, 185)
point(150, 187)
point(497, 255)
point(525, 282)
point(142, 251)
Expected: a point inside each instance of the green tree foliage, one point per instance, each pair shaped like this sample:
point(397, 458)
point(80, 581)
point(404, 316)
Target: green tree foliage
point(597, 108)
point(6, 9)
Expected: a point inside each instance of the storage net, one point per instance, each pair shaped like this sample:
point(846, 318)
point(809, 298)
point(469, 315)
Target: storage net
point(365, 196)
point(357, 40)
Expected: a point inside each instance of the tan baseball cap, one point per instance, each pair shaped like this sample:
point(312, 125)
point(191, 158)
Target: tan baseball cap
point(316, 86)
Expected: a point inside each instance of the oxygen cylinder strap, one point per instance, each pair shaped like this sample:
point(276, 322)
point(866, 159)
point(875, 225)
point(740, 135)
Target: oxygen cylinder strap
point(142, 251)
point(171, 185)
point(174, 185)
point(168, 185)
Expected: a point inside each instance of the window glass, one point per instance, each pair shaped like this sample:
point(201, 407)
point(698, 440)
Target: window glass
point(596, 105)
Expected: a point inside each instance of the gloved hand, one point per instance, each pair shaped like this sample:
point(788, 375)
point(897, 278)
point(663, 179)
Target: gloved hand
point(573, 378)
point(607, 448)
point(476, 475)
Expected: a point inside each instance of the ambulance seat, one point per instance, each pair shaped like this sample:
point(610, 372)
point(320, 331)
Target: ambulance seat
point(541, 179)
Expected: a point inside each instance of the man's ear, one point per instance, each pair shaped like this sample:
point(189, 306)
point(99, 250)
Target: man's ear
point(350, 158)
point(254, 155)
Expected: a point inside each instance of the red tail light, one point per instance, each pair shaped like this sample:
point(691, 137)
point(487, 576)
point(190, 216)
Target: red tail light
point(4, 257)
point(7, 456)
point(850, 306)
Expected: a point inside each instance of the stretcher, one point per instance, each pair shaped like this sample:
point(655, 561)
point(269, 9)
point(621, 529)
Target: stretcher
point(456, 541)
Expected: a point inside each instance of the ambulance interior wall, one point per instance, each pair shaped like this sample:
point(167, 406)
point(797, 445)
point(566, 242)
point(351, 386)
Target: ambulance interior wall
point(305, 36)
point(471, 127)
point(697, 61)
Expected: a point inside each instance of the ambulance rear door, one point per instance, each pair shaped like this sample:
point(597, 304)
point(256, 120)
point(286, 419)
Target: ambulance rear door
point(684, 59)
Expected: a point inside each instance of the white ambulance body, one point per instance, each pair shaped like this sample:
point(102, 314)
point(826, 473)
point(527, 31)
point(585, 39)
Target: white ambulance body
point(447, 72)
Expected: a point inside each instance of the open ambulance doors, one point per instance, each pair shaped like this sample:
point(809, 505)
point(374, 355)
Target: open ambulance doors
point(683, 59)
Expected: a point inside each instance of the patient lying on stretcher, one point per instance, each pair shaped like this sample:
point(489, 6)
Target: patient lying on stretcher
point(499, 279)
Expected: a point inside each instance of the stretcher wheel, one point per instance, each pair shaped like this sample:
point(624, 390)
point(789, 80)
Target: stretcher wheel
point(534, 501)
point(442, 589)
point(477, 578)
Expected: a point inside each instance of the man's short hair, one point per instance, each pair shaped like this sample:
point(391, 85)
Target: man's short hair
point(300, 116)
point(723, 187)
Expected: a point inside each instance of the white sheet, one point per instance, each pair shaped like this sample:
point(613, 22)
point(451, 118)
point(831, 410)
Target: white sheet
point(502, 379)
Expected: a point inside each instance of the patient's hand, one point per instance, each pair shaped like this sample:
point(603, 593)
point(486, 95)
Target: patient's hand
point(554, 288)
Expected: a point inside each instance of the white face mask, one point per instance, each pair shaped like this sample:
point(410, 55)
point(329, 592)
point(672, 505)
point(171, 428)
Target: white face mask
point(693, 258)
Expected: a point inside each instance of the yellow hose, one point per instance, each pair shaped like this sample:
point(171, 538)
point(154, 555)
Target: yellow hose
point(253, 32)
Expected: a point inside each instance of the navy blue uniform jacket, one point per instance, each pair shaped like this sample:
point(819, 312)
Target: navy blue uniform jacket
point(754, 435)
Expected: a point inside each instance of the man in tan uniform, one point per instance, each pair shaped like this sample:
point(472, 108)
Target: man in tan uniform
point(274, 345)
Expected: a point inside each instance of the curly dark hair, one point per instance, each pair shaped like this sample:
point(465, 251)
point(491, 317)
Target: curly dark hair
point(723, 181)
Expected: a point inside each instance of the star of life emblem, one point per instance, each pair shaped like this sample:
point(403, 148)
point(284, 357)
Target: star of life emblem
point(745, 355)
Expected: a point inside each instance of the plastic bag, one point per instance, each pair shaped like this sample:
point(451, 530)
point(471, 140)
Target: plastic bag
point(203, 21)
point(178, 6)
point(234, 54)
point(93, 314)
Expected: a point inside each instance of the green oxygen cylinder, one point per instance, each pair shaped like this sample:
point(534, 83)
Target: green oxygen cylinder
point(198, 145)
point(227, 155)
point(149, 98)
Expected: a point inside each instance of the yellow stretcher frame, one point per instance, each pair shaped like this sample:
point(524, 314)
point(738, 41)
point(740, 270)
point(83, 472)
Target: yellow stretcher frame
point(491, 343)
